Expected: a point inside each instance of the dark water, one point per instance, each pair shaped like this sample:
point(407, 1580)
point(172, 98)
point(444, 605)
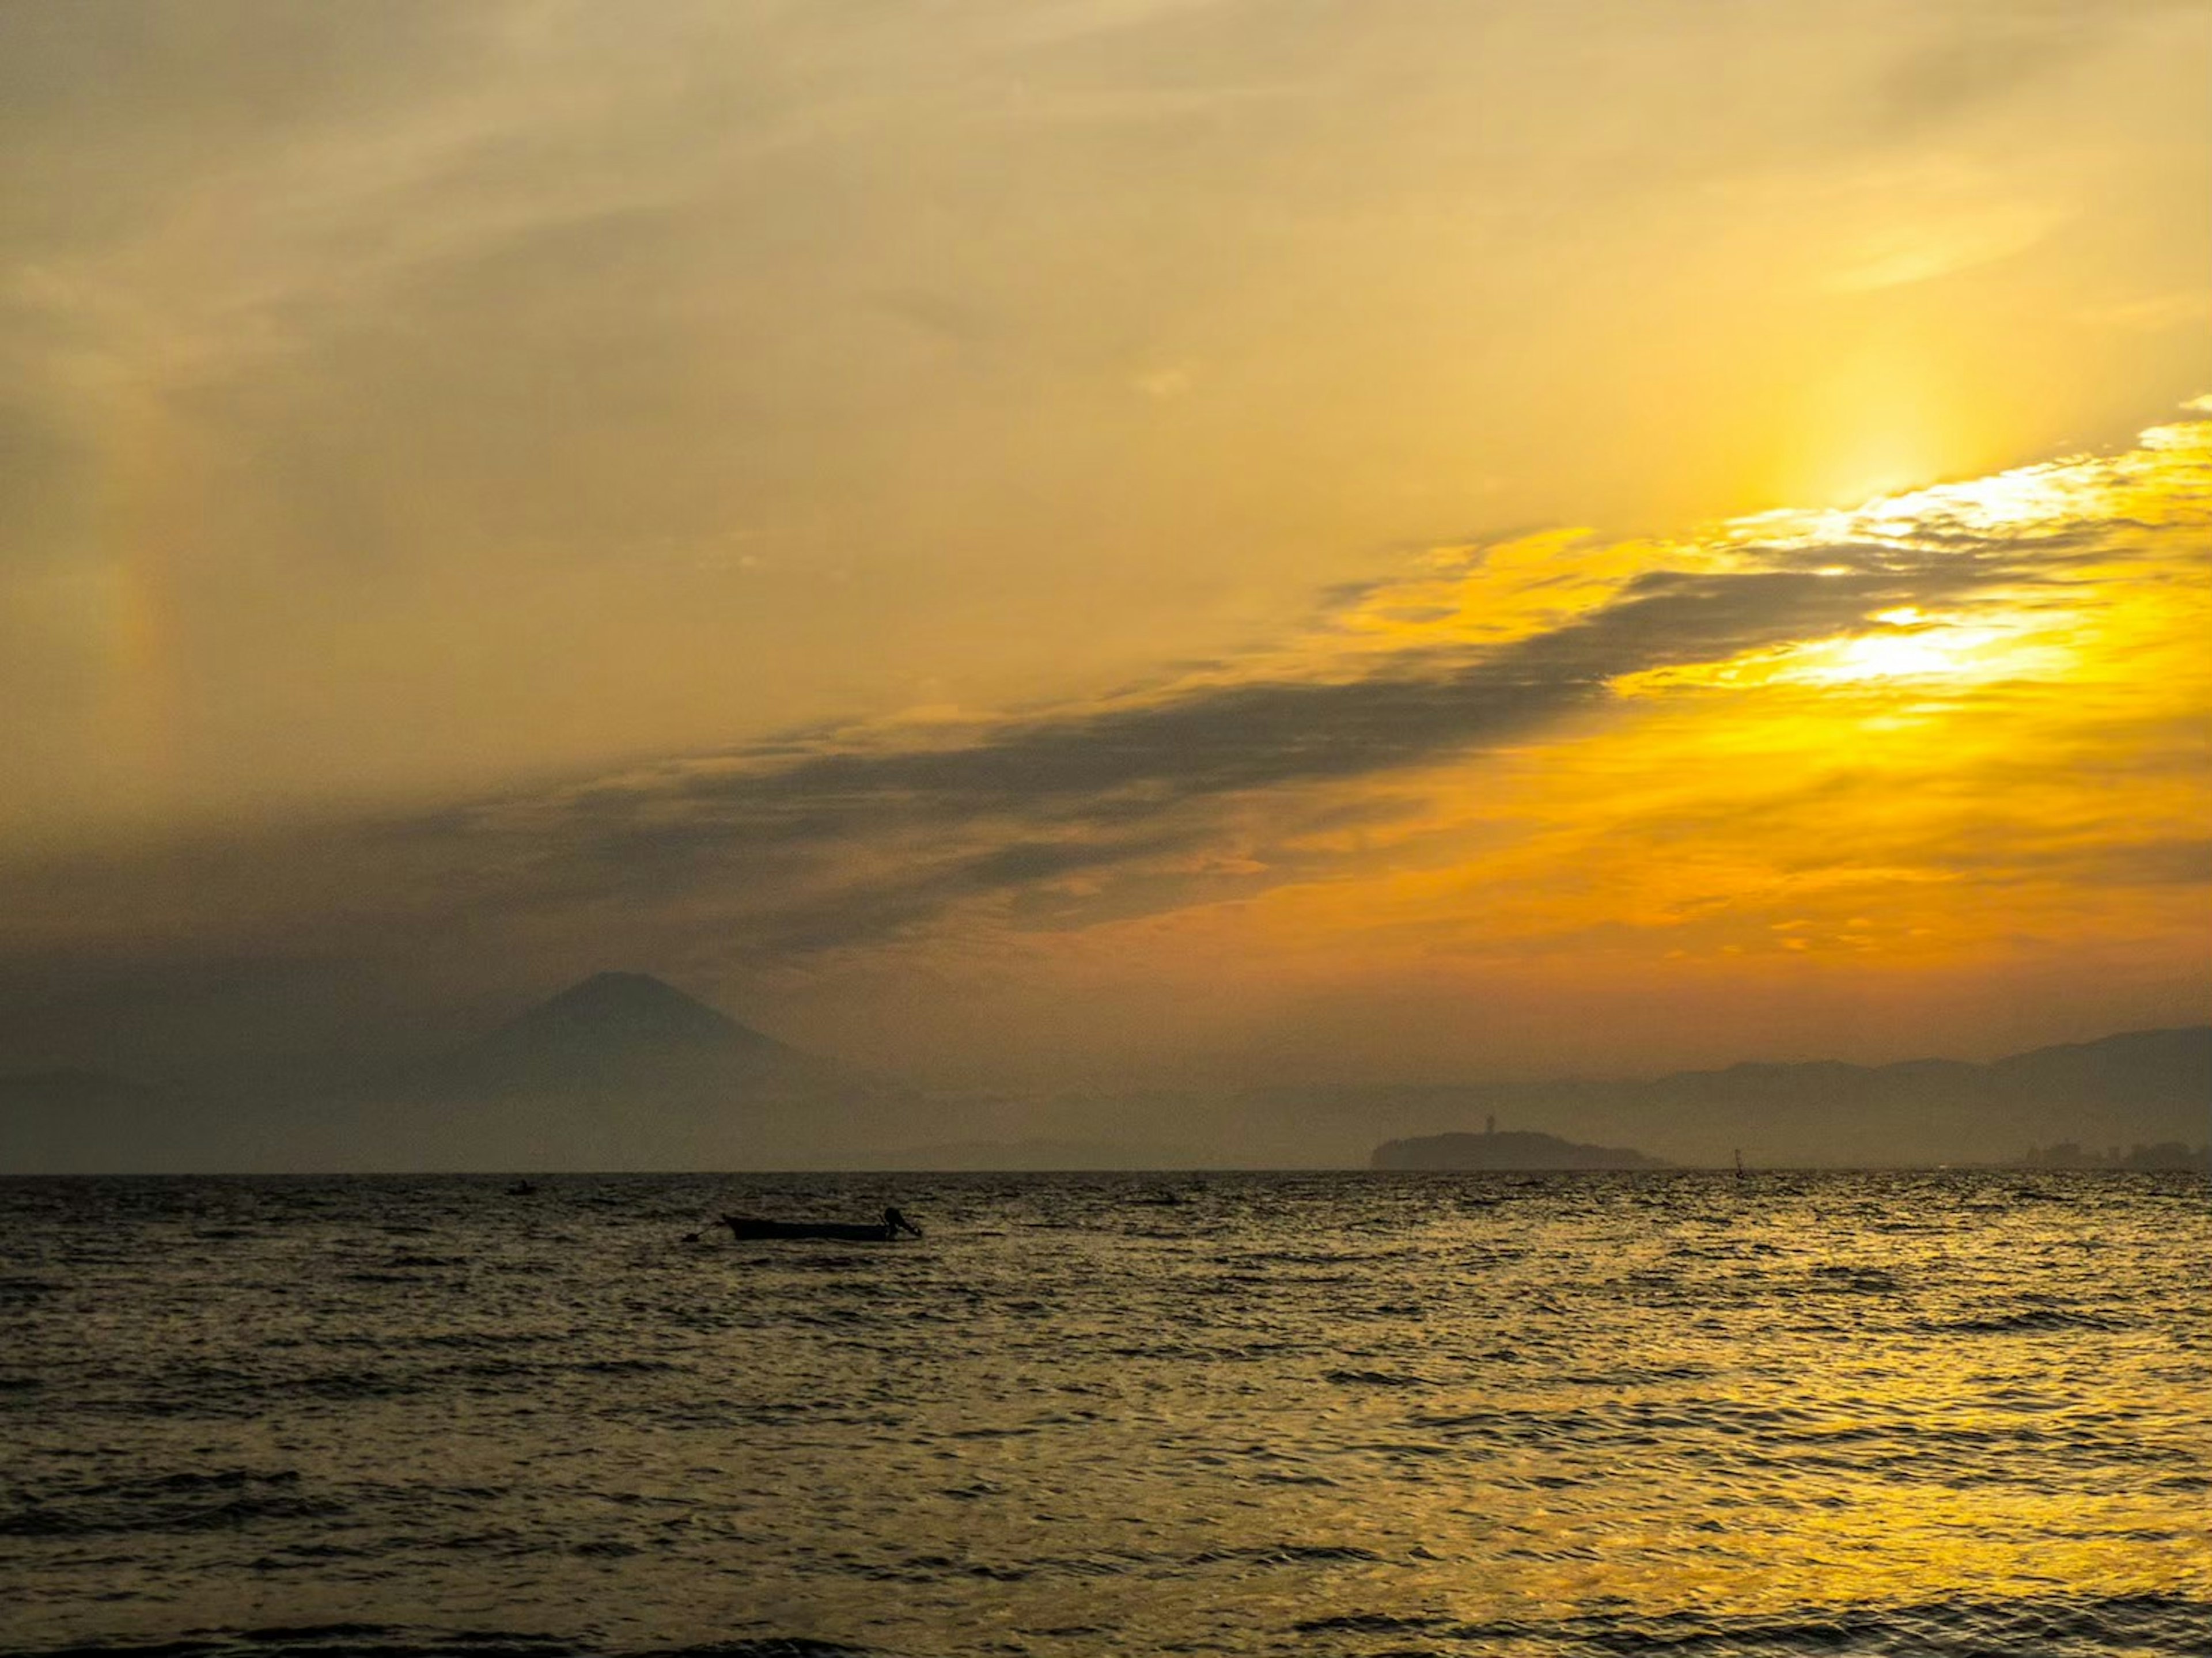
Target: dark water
point(1312, 1414)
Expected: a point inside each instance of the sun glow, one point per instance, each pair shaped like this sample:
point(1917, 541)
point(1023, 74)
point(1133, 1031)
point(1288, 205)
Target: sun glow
point(1945, 653)
point(1912, 647)
point(2028, 656)
point(1909, 650)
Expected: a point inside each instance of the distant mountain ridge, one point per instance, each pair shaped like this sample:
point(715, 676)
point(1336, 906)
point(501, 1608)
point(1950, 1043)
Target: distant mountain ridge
point(623, 1071)
point(2135, 1087)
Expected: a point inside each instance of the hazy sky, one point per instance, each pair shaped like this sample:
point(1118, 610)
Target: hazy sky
point(1123, 537)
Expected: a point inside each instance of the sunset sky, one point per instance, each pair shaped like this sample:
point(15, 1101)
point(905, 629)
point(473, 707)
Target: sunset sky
point(1039, 542)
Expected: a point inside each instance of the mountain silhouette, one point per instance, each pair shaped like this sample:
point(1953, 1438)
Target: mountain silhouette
point(616, 1027)
point(622, 1071)
point(2136, 1066)
point(2144, 1086)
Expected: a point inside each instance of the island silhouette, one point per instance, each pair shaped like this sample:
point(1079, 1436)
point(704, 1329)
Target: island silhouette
point(1522, 1149)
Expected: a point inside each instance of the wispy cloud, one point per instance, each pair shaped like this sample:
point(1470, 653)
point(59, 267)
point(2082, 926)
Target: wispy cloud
point(842, 837)
point(1973, 713)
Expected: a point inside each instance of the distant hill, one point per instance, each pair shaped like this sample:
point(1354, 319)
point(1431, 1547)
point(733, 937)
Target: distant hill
point(2141, 1087)
point(623, 1071)
point(1515, 1149)
point(2130, 1071)
point(620, 1072)
point(613, 1030)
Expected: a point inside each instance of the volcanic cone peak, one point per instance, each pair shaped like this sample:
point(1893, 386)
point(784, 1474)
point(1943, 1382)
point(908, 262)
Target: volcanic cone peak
point(613, 1022)
point(633, 1007)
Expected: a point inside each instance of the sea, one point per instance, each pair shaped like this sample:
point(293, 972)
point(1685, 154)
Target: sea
point(1673, 1413)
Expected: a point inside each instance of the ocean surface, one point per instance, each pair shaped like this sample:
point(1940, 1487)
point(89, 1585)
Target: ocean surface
point(1314, 1414)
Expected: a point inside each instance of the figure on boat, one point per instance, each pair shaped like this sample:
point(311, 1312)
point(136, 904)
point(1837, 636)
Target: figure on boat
point(886, 1231)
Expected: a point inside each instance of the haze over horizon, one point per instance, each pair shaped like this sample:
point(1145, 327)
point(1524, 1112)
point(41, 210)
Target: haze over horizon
point(624, 1072)
point(1107, 543)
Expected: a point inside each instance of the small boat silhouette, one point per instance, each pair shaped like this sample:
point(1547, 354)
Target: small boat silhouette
point(886, 1231)
point(521, 1189)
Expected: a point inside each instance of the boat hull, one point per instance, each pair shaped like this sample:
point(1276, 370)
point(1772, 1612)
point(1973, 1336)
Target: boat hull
point(842, 1231)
